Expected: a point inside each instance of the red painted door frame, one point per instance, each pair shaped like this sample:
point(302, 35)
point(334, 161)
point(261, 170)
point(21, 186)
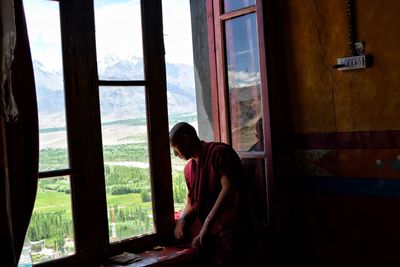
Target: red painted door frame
point(219, 91)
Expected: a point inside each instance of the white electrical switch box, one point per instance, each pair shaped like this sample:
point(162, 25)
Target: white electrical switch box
point(351, 63)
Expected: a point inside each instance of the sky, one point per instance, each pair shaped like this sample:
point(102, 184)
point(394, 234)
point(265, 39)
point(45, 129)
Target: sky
point(118, 30)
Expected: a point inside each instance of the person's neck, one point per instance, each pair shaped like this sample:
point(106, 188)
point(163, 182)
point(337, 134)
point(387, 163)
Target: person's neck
point(198, 151)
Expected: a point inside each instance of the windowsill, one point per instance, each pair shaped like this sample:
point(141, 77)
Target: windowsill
point(168, 256)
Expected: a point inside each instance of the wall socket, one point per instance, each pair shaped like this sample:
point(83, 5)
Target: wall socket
point(351, 63)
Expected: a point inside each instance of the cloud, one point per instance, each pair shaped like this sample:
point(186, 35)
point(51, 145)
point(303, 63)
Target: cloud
point(44, 32)
point(118, 30)
point(177, 31)
point(239, 79)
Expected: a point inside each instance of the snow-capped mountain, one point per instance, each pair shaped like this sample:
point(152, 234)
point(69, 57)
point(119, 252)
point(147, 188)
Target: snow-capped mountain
point(117, 103)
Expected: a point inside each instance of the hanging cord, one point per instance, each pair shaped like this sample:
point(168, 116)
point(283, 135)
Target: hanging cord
point(324, 59)
point(333, 84)
point(350, 23)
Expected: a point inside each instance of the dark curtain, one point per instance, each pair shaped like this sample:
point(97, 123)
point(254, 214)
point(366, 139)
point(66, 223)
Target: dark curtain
point(19, 183)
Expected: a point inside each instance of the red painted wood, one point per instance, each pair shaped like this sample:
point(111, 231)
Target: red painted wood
point(213, 70)
point(238, 13)
point(265, 105)
point(223, 95)
point(219, 75)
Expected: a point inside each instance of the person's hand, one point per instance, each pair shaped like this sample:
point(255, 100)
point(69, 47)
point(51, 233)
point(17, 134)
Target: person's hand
point(199, 239)
point(178, 232)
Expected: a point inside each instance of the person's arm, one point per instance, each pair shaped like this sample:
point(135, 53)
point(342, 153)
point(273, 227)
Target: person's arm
point(180, 223)
point(226, 194)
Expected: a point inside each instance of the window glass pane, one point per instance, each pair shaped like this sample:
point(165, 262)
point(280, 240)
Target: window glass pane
point(126, 162)
point(119, 39)
point(45, 42)
point(231, 5)
point(50, 233)
point(243, 80)
point(180, 81)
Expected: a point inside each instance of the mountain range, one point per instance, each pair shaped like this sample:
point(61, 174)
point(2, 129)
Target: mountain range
point(116, 103)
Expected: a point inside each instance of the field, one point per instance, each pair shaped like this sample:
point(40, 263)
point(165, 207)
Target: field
point(127, 181)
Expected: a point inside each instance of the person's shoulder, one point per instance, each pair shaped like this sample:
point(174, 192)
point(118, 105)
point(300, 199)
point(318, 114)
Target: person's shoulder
point(224, 159)
point(220, 146)
point(222, 149)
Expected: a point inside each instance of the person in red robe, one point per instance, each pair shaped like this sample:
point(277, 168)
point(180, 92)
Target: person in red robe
point(212, 215)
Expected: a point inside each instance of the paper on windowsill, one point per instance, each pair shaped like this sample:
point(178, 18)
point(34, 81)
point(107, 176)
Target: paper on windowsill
point(125, 258)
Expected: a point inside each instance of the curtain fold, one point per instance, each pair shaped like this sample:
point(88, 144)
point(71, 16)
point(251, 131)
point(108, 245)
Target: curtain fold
point(7, 255)
point(7, 46)
point(21, 159)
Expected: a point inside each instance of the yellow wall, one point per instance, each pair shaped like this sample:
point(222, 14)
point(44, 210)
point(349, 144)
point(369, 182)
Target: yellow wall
point(323, 99)
point(336, 180)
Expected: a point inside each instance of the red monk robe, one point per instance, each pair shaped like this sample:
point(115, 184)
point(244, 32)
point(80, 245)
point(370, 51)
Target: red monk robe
point(203, 179)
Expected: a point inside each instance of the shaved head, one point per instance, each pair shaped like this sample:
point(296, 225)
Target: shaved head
point(184, 140)
point(182, 129)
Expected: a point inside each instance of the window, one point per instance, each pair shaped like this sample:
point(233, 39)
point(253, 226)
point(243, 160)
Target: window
point(231, 5)
point(51, 233)
point(180, 82)
point(123, 108)
point(243, 71)
point(123, 118)
point(241, 112)
point(106, 180)
point(94, 142)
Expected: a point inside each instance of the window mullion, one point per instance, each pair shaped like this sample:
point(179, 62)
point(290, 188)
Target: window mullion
point(156, 98)
point(237, 13)
point(121, 83)
point(47, 174)
point(84, 130)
